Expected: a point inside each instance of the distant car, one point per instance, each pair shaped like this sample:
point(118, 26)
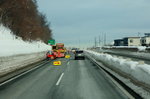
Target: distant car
point(79, 54)
point(74, 49)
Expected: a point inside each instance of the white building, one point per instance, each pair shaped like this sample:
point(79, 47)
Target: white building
point(145, 41)
point(132, 41)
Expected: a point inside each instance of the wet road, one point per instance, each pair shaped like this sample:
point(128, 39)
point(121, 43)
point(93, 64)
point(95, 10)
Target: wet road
point(74, 79)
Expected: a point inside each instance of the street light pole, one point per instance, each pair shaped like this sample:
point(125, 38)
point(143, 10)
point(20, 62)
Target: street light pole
point(95, 42)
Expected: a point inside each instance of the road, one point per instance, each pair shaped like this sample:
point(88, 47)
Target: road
point(74, 79)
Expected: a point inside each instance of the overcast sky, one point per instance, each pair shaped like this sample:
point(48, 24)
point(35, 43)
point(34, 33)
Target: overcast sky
point(78, 22)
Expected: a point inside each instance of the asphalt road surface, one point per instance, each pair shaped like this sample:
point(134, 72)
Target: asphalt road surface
point(74, 79)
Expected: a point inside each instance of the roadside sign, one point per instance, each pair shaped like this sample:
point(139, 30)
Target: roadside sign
point(51, 42)
point(57, 63)
point(67, 56)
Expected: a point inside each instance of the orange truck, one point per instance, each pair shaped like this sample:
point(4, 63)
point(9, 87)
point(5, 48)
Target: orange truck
point(60, 50)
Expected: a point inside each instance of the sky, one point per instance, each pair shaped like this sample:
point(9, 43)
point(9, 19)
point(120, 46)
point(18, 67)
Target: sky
point(79, 22)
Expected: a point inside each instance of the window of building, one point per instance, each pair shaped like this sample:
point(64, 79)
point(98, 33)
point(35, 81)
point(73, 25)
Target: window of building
point(131, 41)
point(143, 41)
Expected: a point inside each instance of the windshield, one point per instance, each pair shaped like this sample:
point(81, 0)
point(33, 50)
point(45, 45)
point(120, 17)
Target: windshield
point(74, 49)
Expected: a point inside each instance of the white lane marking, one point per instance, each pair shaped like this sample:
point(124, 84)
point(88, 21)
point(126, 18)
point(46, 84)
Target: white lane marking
point(58, 82)
point(7, 81)
point(68, 63)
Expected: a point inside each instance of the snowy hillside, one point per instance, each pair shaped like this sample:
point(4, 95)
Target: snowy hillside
point(9, 45)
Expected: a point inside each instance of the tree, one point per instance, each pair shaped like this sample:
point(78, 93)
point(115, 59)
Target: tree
point(23, 18)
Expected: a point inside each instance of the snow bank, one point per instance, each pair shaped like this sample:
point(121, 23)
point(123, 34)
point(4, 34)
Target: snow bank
point(16, 53)
point(11, 63)
point(9, 45)
point(137, 70)
point(140, 55)
point(140, 48)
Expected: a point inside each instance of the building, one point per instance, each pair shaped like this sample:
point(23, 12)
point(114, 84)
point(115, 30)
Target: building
point(119, 42)
point(132, 41)
point(128, 41)
point(145, 41)
point(147, 34)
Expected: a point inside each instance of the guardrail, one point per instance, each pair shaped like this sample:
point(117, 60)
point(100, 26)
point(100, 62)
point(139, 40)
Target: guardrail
point(14, 65)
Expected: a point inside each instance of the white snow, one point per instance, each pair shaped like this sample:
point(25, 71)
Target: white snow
point(144, 93)
point(9, 45)
point(16, 53)
point(11, 63)
point(139, 71)
point(140, 48)
point(136, 54)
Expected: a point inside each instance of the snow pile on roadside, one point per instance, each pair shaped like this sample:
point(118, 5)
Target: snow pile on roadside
point(11, 63)
point(139, 71)
point(9, 45)
point(140, 55)
point(140, 48)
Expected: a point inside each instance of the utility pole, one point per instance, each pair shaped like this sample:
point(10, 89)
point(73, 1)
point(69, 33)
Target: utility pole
point(139, 34)
point(102, 42)
point(140, 38)
point(105, 39)
point(95, 42)
point(99, 40)
point(79, 43)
